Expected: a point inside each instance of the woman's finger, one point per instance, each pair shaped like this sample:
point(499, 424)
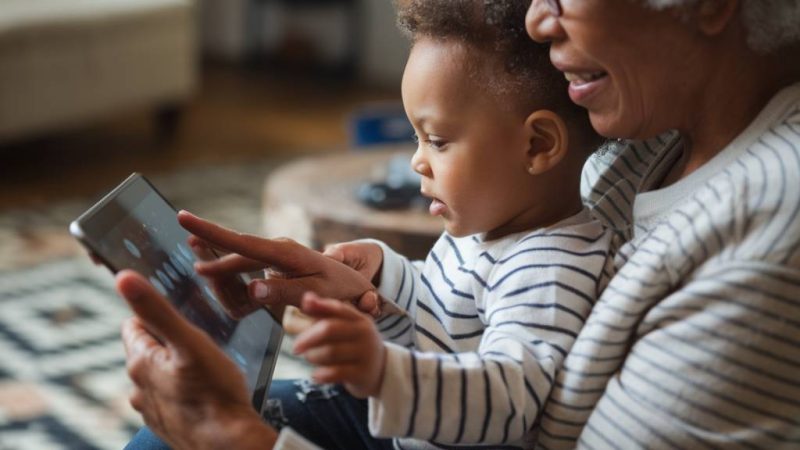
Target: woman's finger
point(284, 254)
point(202, 250)
point(227, 265)
point(136, 340)
point(156, 315)
point(277, 291)
point(235, 302)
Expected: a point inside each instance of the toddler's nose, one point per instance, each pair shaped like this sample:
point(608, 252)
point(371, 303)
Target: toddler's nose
point(419, 164)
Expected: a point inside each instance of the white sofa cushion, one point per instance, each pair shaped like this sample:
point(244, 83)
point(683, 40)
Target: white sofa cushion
point(66, 62)
point(25, 15)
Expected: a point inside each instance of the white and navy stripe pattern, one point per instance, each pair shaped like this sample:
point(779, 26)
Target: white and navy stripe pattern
point(695, 343)
point(489, 324)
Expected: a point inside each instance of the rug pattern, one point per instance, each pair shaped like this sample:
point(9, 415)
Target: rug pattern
point(62, 372)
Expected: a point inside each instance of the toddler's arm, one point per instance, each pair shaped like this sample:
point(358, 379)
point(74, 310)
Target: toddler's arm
point(491, 396)
point(536, 301)
point(400, 282)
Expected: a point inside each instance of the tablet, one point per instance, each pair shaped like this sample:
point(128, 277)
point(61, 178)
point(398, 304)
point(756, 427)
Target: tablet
point(135, 227)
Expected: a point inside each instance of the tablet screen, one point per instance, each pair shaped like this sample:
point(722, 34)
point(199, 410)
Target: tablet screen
point(135, 228)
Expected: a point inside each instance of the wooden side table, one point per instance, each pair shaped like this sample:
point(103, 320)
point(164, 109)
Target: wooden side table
point(313, 201)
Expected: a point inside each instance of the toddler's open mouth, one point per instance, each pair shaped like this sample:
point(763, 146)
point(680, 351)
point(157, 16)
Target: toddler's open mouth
point(437, 207)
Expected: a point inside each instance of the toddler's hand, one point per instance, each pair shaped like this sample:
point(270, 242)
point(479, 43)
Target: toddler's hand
point(344, 345)
point(365, 257)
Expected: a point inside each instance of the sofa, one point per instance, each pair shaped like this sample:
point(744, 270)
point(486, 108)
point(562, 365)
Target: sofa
point(66, 63)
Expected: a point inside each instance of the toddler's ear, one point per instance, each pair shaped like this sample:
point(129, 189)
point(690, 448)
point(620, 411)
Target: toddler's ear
point(548, 141)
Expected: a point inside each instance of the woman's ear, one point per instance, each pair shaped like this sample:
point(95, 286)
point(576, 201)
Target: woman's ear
point(548, 141)
point(712, 16)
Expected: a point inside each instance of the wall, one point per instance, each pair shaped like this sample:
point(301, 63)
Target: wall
point(382, 49)
point(222, 28)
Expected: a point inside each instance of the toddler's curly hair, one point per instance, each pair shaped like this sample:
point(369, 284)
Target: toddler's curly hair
point(496, 28)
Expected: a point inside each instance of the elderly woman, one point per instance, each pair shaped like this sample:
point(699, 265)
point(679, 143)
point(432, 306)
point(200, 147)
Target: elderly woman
point(696, 341)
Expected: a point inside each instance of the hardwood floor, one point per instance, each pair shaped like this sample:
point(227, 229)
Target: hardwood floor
point(237, 115)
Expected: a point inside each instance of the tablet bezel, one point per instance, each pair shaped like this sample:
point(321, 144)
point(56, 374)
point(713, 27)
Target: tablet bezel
point(78, 230)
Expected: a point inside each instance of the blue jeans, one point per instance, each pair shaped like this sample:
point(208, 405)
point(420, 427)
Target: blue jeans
point(327, 415)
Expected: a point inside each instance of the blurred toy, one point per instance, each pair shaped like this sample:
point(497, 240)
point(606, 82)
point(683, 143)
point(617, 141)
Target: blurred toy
point(399, 190)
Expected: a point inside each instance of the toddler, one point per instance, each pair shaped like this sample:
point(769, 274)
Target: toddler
point(499, 301)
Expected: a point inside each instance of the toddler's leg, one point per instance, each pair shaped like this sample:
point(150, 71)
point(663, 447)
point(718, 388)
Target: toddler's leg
point(324, 414)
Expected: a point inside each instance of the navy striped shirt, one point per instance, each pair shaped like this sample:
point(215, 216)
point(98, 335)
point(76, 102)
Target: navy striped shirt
point(488, 326)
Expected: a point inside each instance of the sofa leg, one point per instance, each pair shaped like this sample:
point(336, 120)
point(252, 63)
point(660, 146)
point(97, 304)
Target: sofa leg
point(167, 120)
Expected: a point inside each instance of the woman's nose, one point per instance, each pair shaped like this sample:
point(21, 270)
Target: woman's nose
point(541, 24)
point(420, 164)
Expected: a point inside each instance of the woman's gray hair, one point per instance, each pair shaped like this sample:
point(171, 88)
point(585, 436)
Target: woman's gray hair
point(770, 24)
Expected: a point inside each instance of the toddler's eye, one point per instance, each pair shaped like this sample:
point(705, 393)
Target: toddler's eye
point(436, 144)
point(415, 138)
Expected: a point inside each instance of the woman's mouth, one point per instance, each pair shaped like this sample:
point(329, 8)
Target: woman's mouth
point(585, 85)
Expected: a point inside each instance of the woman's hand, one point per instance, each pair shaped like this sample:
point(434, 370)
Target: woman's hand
point(188, 392)
point(344, 345)
point(291, 269)
point(229, 288)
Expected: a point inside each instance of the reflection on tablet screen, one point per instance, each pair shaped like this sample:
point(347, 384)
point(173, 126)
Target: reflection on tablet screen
point(148, 239)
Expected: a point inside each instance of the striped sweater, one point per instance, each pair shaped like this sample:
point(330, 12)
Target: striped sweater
point(488, 326)
point(695, 343)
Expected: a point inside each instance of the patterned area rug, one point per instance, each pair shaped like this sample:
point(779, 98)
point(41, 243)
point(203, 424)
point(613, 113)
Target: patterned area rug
point(62, 372)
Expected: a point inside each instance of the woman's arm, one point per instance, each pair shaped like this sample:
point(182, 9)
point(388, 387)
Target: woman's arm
point(715, 365)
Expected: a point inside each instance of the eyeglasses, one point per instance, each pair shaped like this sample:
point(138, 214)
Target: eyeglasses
point(554, 6)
